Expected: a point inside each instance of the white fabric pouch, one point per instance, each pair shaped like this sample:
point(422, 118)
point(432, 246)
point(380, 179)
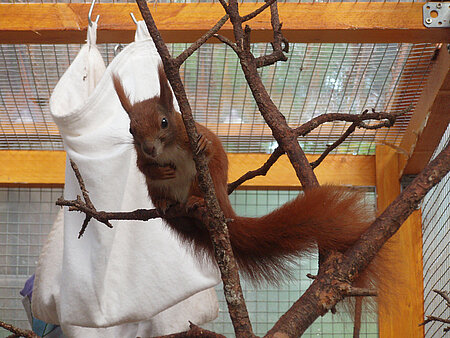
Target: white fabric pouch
point(137, 271)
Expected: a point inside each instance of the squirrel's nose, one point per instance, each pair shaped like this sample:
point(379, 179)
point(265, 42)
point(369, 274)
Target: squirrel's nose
point(148, 148)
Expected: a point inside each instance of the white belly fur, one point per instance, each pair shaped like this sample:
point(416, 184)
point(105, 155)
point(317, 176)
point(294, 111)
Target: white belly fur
point(178, 187)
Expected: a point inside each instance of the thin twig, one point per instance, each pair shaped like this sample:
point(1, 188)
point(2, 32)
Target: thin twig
point(105, 217)
point(262, 171)
point(197, 44)
point(226, 41)
point(360, 292)
point(81, 184)
point(277, 43)
point(194, 331)
point(257, 11)
point(443, 294)
point(390, 118)
point(429, 319)
point(333, 146)
point(18, 331)
point(435, 319)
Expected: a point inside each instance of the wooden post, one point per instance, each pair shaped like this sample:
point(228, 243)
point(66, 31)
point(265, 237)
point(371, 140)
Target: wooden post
point(400, 302)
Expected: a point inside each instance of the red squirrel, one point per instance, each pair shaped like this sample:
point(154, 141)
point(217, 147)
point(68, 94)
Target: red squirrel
point(330, 216)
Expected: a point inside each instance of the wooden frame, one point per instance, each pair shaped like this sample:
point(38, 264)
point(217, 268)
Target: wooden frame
point(400, 302)
point(430, 119)
point(330, 22)
point(302, 22)
point(47, 169)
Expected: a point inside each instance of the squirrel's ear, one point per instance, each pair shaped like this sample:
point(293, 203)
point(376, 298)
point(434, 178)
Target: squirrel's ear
point(124, 100)
point(165, 95)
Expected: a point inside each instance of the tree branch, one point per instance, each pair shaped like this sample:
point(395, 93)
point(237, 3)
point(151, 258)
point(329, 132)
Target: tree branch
point(330, 148)
point(197, 44)
point(262, 171)
point(194, 331)
point(390, 118)
point(226, 41)
point(285, 137)
point(217, 227)
point(324, 292)
point(429, 319)
point(105, 217)
point(17, 331)
point(257, 11)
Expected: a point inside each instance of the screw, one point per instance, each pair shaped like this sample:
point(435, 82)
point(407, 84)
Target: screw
point(428, 21)
point(438, 5)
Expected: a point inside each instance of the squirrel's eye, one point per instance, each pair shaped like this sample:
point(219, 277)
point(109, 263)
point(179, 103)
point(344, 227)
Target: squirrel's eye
point(164, 123)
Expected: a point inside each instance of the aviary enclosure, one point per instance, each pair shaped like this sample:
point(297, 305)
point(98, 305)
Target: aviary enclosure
point(343, 93)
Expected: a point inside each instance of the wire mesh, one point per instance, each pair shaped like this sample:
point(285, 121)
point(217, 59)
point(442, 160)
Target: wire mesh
point(316, 79)
point(267, 303)
point(436, 249)
point(26, 216)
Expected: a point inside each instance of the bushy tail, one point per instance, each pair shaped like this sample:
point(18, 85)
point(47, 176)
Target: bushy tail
point(332, 217)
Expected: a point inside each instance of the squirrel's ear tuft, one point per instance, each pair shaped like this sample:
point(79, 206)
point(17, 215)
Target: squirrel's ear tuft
point(165, 95)
point(124, 99)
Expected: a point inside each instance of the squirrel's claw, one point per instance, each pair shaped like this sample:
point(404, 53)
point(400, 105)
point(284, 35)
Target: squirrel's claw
point(202, 143)
point(194, 202)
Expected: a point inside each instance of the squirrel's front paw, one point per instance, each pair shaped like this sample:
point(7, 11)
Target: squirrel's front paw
point(194, 202)
point(202, 143)
point(155, 172)
point(163, 205)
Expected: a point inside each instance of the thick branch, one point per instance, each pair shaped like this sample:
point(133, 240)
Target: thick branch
point(217, 227)
point(324, 293)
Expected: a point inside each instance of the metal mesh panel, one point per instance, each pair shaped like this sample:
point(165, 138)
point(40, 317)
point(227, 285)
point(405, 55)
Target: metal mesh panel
point(317, 78)
point(25, 220)
point(436, 249)
point(267, 303)
point(26, 216)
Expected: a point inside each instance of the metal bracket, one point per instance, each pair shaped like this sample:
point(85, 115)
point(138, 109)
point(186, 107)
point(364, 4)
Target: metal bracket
point(436, 14)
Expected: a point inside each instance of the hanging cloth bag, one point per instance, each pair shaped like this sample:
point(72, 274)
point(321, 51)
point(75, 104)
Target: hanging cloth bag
point(136, 270)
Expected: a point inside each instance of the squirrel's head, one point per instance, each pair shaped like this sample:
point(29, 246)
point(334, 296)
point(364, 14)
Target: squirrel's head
point(152, 121)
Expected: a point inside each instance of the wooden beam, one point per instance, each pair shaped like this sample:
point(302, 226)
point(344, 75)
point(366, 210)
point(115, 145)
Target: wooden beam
point(430, 119)
point(46, 168)
point(368, 22)
point(400, 300)
point(335, 169)
point(32, 168)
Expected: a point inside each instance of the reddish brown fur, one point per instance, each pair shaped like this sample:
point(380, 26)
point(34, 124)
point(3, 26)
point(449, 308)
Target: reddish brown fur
point(333, 217)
